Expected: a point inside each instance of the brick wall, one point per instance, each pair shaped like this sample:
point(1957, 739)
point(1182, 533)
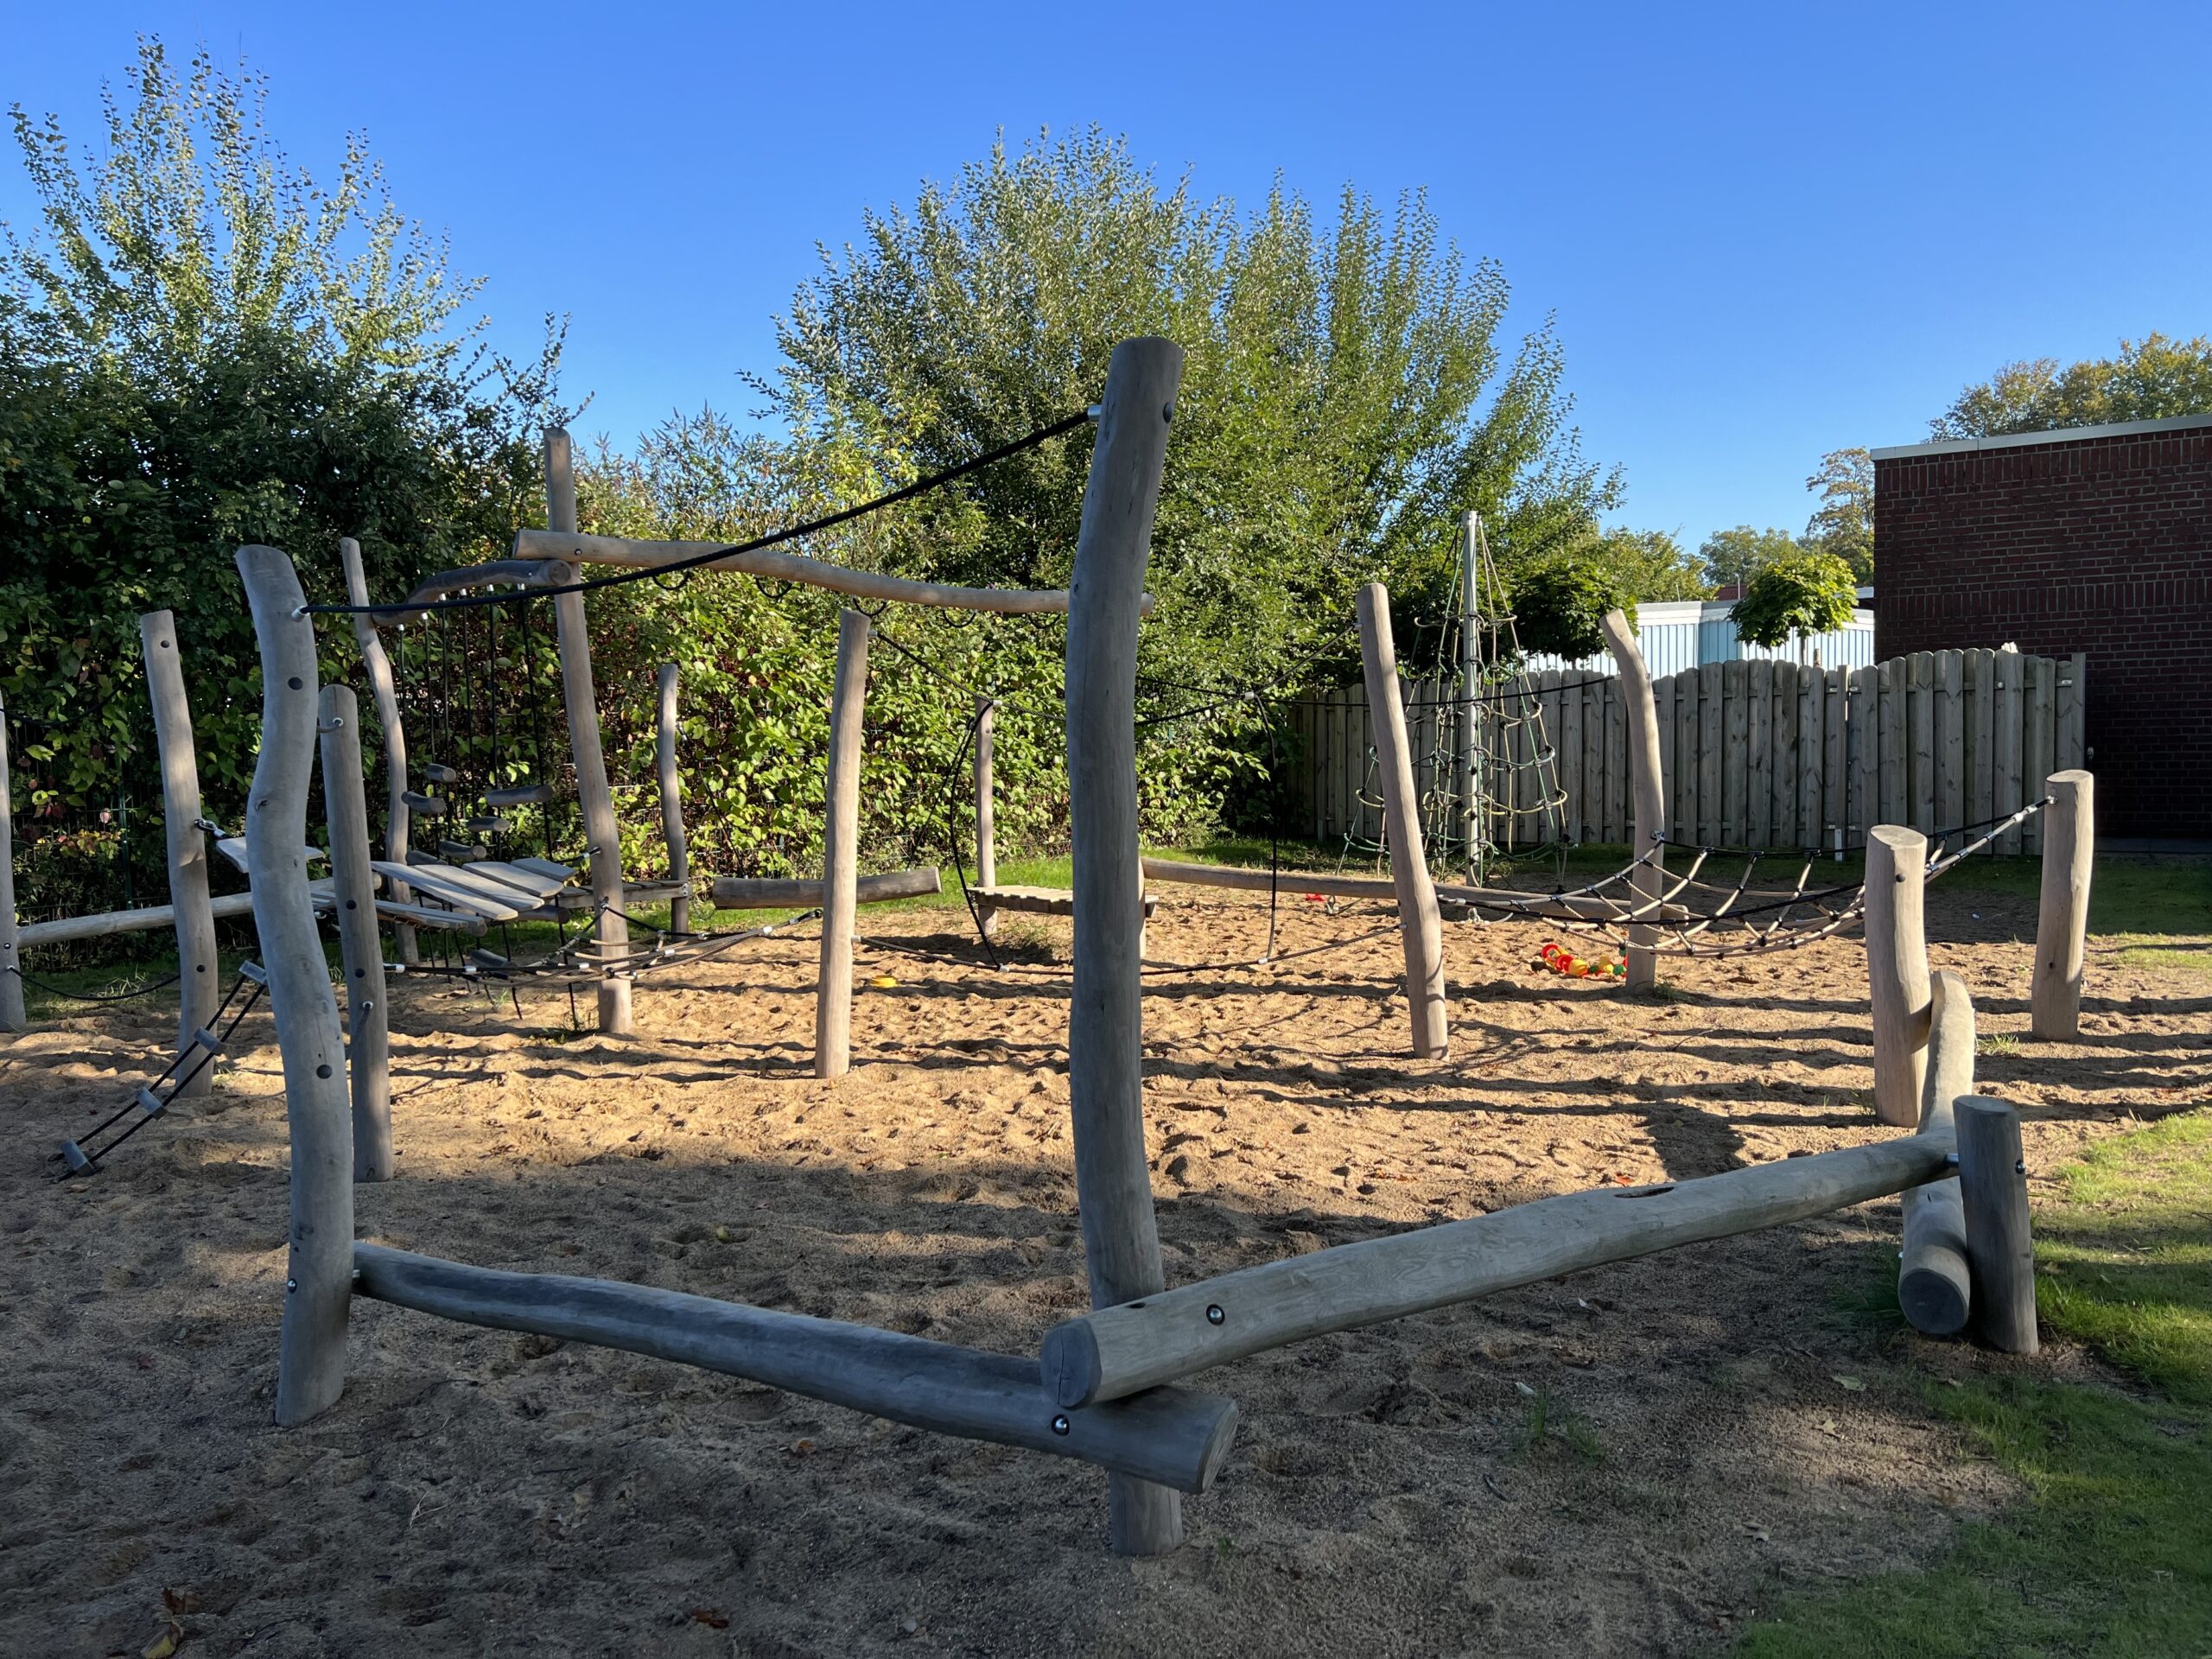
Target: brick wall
point(2098, 543)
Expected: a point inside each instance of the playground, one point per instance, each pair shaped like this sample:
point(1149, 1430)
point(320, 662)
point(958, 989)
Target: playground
point(1632, 1458)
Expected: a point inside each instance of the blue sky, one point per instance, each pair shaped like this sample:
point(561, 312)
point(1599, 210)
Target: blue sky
point(1766, 232)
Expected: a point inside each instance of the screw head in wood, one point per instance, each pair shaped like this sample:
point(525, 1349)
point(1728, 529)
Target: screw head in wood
point(1214, 1315)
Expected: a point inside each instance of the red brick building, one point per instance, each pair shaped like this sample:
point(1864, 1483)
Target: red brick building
point(2096, 539)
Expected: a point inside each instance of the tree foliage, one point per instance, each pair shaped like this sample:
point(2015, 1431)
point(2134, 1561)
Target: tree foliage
point(1651, 564)
point(1735, 556)
point(1558, 603)
point(1843, 524)
point(1805, 592)
point(2151, 378)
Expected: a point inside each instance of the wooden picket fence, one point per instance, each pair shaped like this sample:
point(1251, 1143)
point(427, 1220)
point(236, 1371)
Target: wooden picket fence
point(1755, 754)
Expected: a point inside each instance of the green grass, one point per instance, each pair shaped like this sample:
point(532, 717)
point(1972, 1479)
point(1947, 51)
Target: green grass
point(2109, 1551)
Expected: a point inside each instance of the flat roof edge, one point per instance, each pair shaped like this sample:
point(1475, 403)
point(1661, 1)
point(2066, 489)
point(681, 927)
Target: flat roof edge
point(2054, 435)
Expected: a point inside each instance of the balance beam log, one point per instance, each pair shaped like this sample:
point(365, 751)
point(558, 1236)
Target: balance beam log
point(1649, 787)
point(1935, 1288)
point(1897, 969)
point(1578, 906)
point(1994, 1181)
point(803, 893)
point(396, 837)
point(101, 924)
point(319, 1268)
point(2069, 845)
point(1170, 1436)
point(1114, 1351)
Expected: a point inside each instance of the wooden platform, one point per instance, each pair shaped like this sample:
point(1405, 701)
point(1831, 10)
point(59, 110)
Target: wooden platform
point(1038, 901)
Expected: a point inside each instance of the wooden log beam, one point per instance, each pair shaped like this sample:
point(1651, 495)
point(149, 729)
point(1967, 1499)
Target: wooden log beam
point(1897, 969)
point(611, 925)
point(1935, 1288)
point(1993, 1182)
point(672, 799)
point(499, 573)
point(102, 924)
point(198, 994)
point(833, 997)
point(1420, 924)
point(1649, 789)
point(360, 948)
point(397, 830)
point(1121, 1234)
point(802, 893)
point(789, 566)
point(1541, 906)
point(2069, 848)
point(987, 831)
point(318, 1271)
point(1167, 1334)
point(12, 1014)
point(1171, 1436)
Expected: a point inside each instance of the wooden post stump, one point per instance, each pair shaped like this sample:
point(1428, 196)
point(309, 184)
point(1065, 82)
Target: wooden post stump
point(360, 948)
point(1121, 1236)
point(1420, 924)
point(395, 820)
point(2070, 847)
point(1994, 1181)
point(1935, 1287)
point(319, 1272)
point(672, 802)
point(11, 956)
point(987, 828)
point(1650, 792)
point(199, 993)
point(1896, 970)
point(833, 999)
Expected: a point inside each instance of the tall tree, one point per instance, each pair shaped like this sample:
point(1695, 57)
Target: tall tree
point(2150, 379)
point(1735, 556)
point(1843, 524)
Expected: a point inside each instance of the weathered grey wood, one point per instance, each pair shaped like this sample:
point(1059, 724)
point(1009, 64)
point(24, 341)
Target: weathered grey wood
point(604, 838)
point(1813, 807)
point(311, 1357)
point(528, 883)
point(1893, 715)
point(396, 829)
point(478, 895)
point(1935, 1288)
point(1239, 879)
point(555, 543)
point(2038, 740)
point(1689, 751)
point(1994, 1180)
point(197, 969)
point(1650, 792)
point(103, 923)
point(1897, 969)
point(499, 573)
point(672, 800)
point(1466, 711)
point(1619, 784)
point(2069, 845)
point(12, 1014)
point(986, 832)
point(1866, 737)
point(1114, 1351)
point(368, 1046)
point(1711, 739)
point(833, 996)
point(1573, 765)
point(804, 892)
point(1836, 822)
point(1171, 1436)
point(1043, 901)
point(1663, 698)
point(1420, 924)
point(1920, 712)
point(1757, 829)
point(1981, 733)
point(1735, 770)
point(1590, 791)
point(2009, 673)
point(1782, 774)
point(2073, 698)
point(1121, 1234)
point(1950, 740)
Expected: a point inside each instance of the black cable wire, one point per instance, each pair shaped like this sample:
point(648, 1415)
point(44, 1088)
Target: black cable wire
point(80, 997)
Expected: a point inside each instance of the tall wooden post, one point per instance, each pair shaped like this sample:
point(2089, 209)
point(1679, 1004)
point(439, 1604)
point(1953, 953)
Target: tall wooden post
point(672, 803)
point(12, 1017)
point(396, 824)
point(1419, 923)
point(198, 973)
point(2069, 848)
point(368, 1049)
point(1897, 969)
point(603, 834)
point(318, 1271)
point(833, 999)
point(987, 824)
point(1650, 790)
point(1993, 1178)
point(1935, 1285)
point(1121, 1234)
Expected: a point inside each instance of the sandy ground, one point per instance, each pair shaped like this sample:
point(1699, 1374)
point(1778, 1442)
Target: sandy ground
point(1706, 1451)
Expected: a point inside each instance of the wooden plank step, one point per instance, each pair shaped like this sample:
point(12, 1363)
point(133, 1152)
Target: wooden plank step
point(428, 806)
point(545, 866)
point(474, 895)
point(521, 795)
point(540, 886)
point(433, 773)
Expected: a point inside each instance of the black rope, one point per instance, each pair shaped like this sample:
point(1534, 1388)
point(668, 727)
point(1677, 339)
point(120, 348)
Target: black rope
point(794, 532)
point(81, 996)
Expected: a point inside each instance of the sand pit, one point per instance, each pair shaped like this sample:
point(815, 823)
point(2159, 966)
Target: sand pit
point(1389, 1493)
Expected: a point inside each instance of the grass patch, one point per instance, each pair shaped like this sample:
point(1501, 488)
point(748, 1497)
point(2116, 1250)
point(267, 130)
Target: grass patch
point(2111, 1552)
point(1546, 1430)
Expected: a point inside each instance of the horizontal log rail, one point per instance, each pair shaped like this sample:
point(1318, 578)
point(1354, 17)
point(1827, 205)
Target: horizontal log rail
point(804, 892)
point(1541, 906)
point(1169, 1435)
point(99, 925)
point(1113, 1352)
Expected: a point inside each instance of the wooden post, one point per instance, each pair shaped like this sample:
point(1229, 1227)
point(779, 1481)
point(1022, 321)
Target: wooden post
point(1120, 1235)
point(2069, 846)
point(1994, 1180)
point(602, 834)
point(987, 823)
point(1419, 923)
point(396, 824)
point(1935, 1288)
point(833, 998)
point(1650, 833)
point(199, 993)
point(12, 1017)
point(1897, 969)
point(672, 803)
point(368, 1049)
point(318, 1271)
